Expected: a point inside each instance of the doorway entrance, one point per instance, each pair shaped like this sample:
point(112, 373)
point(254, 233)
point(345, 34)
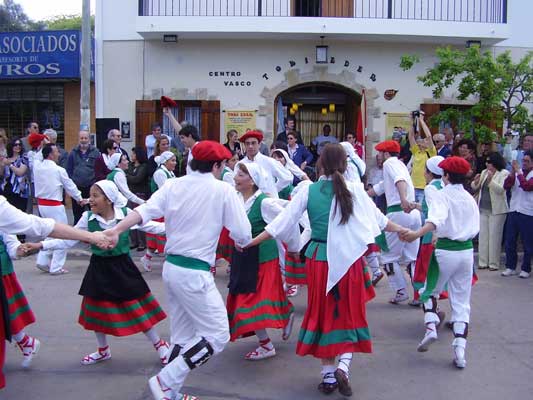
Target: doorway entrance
point(315, 104)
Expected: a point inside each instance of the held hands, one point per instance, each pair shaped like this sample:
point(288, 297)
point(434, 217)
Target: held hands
point(83, 202)
point(27, 249)
point(102, 240)
point(408, 235)
point(516, 166)
point(111, 237)
point(408, 206)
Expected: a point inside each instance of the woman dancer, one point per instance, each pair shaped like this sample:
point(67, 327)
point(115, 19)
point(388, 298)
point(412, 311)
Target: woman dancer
point(258, 301)
point(116, 298)
point(344, 221)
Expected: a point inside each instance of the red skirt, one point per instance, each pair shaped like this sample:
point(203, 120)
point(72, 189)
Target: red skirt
point(20, 314)
point(225, 246)
point(2, 351)
point(156, 242)
point(372, 248)
point(294, 270)
point(120, 318)
point(268, 307)
point(331, 327)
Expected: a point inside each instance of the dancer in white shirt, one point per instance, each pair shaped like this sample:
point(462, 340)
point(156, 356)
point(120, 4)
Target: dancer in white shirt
point(400, 194)
point(196, 207)
point(454, 216)
point(50, 181)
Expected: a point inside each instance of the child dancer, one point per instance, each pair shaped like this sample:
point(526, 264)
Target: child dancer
point(116, 298)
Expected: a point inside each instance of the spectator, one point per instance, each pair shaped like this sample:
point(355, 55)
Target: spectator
point(116, 136)
point(290, 126)
point(102, 165)
point(81, 169)
point(139, 183)
point(278, 144)
point(520, 217)
point(16, 184)
point(150, 140)
point(405, 152)
point(161, 145)
point(422, 149)
point(63, 154)
point(232, 143)
point(358, 146)
point(484, 149)
point(448, 137)
point(298, 153)
point(443, 149)
point(175, 142)
point(466, 148)
point(493, 208)
point(320, 141)
point(3, 143)
point(32, 127)
point(518, 154)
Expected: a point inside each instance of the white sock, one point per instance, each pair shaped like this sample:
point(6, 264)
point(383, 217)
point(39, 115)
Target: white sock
point(327, 374)
point(430, 327)
point(19, 336)
point(345, 360)
point(261, 334)
point(149, 253)
point(101, 339)
point(152, 335)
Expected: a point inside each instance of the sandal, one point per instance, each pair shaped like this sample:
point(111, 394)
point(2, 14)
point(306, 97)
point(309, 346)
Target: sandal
point(103, 354)
point(344, 383)
point(327, 388)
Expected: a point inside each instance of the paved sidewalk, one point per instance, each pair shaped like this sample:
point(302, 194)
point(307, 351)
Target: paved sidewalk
point(499, 353)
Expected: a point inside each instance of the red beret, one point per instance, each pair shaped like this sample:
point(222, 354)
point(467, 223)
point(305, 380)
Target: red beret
point(208, 150)
point(456, 165)
point(35, 139)
point(390, 146)
point(252, 134)
point(168, 102)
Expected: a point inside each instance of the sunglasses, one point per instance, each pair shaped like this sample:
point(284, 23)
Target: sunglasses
point(17, 144)
point(115, 148)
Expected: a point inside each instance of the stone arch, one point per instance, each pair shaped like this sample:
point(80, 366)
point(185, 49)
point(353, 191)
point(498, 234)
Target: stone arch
point(319, 74)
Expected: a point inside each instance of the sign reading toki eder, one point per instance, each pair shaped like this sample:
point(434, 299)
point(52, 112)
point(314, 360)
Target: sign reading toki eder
point(38, 55)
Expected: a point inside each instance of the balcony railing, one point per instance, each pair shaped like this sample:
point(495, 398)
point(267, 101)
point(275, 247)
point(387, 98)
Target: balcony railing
point(483, 11)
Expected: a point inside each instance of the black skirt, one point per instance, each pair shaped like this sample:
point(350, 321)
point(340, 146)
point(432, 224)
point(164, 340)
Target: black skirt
point(244, 271)
point(113, 279)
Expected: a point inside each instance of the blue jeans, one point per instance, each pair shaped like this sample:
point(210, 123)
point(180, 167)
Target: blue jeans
point(518, 223)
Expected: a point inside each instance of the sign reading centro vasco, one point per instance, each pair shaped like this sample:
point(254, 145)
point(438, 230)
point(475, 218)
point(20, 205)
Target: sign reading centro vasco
point(230, 78)
point(46, 54)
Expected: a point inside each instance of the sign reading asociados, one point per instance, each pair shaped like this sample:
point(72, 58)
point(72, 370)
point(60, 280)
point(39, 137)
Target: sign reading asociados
point(38, 55)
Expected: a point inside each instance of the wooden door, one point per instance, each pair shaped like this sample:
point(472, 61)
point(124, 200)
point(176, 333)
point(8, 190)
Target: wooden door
point(145, 116)
point(210, 114)
point(337, 8)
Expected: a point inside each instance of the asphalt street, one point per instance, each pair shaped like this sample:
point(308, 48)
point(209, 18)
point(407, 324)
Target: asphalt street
point(499, 352)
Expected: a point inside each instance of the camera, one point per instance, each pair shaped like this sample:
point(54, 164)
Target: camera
point(415, 114)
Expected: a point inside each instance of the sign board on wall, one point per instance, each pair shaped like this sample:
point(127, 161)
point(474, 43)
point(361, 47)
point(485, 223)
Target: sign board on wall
point(402, 120)
point(41, 55)
point(240, 120)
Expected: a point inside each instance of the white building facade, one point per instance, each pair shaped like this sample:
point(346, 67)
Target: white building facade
point(216, 57)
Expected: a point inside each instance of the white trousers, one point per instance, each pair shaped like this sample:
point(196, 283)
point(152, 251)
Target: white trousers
point(56, 258)
point(196, 310)
point(455, 269)
point(401, 252)
point(490, 238)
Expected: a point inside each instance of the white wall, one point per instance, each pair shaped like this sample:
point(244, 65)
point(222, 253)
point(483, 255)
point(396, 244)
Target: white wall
point(519, 17)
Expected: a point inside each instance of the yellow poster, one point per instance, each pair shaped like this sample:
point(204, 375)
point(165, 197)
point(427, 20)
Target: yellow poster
point(240, 120)
point(398, 120)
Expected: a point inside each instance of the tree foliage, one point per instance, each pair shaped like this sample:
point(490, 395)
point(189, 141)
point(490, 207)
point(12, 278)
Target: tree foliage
point(61, 22)
point(499, 86)
point(14, 19)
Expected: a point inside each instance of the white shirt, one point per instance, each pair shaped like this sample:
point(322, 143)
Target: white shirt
point(149, 142)
point(51, 179)
point(188, 168)
point(276, 176)
point(430, 190)
point(229, 176)
point(454, 212)
point(196, 207)
point(346, 242)
point(12, 244)
point(394, 171)
point(160, 176)
point(521, 201)
point(83, 224)
point(14, 221)
point(322, 140)
point(122, 184)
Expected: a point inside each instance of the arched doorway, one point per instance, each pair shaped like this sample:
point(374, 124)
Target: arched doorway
point(315, 104)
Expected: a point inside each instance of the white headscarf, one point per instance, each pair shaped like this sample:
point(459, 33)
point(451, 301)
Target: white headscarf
point(433, 165)
point(353, 172)
point(290, 165)
point(257, 174)
point(163, 157)
point(112, 193)
point(114, 160)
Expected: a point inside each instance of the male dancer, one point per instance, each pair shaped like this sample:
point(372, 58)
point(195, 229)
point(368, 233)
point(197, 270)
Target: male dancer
point(196, 208)
point(276, 176)
point(400, 194)
point(454, 216)
point(50, 180)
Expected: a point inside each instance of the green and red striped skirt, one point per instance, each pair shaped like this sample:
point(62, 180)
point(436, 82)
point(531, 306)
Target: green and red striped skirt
point(20, 313)
point(268, 307)
point(294, 270)
point(225, 246)
point(120, 318)
point(156, 242)
point(332, 326)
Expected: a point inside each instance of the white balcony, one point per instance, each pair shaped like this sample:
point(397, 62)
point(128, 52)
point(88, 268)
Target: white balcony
point(433, 21)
